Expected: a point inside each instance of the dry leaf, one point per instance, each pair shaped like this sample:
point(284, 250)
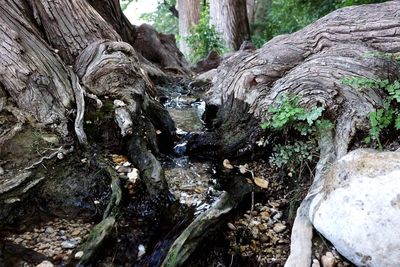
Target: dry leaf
point(119, 159)
point(261, 182)
point(227, 164)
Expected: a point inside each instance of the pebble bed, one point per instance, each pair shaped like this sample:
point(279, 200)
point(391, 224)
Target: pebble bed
point(55, 239)
point(261, 233)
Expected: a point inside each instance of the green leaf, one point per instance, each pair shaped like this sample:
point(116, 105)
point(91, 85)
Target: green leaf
point(397, 122)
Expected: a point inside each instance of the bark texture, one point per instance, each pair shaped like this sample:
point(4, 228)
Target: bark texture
point(39, 93)
point(33, 76)
point(189, 15)
point(309, 63)
point(230, 19)
point(160, 49)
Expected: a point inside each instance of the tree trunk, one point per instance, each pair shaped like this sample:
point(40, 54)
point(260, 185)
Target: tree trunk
point(39, 90)
point(230, 19)
point(311, 64)
point(189, 15)
point(251, 6)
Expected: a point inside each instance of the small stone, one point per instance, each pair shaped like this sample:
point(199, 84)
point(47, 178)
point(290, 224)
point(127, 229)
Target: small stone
point(45, 264)
point(18, 240)
point(231, 226)
point(42, 246)
point(75, 232)
point(96, 202)
point(68, 244)
point(243, 168)
point(227, 164)
point(1, 171)
point(133, 175)
point(84, 160)
point(315, 263)
point(328, 260)
point(127, 164)
point(279, 228)
point(78, 255)
point(254, 232)
point(264, 215)
point(60, 155)
point(158, 132)
point(123, 169)
point(49, 230)
point(141, 250)
point(277, 216)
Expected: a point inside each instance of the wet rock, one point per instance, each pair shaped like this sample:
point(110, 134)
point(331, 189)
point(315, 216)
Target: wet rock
point(133, 175)
point(279, 228)
point(127, 164)
point(141, 250)
point(328, 260)
point(123, 169)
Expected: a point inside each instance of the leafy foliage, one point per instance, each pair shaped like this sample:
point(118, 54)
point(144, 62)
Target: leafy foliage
point(287, 16)
point(287, 117)
point(124, 4)
point(162, 19)
point(204, 37)
point(383, 117)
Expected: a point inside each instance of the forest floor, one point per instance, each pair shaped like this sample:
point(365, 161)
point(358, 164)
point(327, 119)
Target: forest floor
point(256, 233)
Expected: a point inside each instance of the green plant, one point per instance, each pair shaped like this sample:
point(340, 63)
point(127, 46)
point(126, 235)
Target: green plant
point(125, 3)
point(276, 17)
point(163, 20)
point(383, 117)
point(289, 117)
point(204, 38)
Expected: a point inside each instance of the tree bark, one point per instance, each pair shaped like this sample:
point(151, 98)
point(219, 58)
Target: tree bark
point(189, 15)
point(309, 63)
point(230, 19)
point(251, 6)
point(37, 87)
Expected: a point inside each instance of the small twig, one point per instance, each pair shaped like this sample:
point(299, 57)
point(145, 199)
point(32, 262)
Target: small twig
point(230, 265)
point(52, 155)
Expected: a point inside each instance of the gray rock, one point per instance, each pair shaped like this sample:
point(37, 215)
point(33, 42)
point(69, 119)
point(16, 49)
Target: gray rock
point(279, 228)
point(78, 255)
point(68, 244)
point(49, 230)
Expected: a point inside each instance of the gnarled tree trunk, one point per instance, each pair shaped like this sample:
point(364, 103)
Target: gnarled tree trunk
point(311, 64)
point(40, 93)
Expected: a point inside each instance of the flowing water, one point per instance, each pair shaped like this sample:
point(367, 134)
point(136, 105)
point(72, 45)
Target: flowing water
point(191, 181)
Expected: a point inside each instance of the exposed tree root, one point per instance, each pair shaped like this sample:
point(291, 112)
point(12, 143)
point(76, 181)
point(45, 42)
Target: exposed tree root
point(302, 230)
point(187, 242)
point(103, 229)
